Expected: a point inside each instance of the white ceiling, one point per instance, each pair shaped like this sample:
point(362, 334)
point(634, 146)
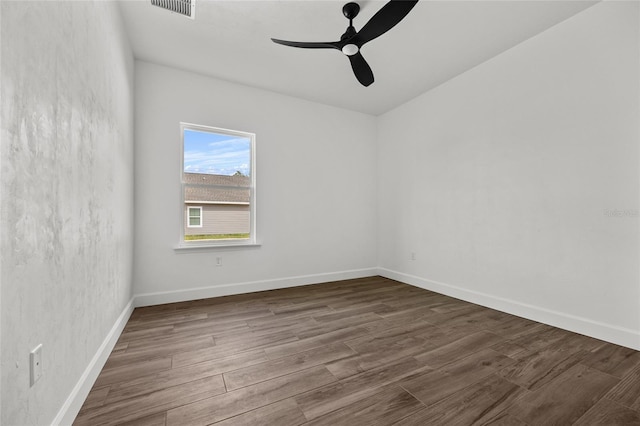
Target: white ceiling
point(438, 40)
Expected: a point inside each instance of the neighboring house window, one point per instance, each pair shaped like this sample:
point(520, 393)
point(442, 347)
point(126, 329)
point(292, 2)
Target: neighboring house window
point(195, 217)
point(218, 186)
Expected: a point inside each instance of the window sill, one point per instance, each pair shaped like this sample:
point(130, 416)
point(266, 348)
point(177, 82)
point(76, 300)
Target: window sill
point(190, 247)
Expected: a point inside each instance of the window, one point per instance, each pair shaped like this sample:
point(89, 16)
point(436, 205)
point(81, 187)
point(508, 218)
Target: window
point(195, 217)
point(218, 186)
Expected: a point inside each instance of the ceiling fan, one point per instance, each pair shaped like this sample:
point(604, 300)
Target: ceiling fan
point(351, 41)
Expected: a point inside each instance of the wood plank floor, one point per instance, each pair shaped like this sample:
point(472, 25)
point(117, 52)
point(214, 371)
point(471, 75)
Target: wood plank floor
point(370, 351)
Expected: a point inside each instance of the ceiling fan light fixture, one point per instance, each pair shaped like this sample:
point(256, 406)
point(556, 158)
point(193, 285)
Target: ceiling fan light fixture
point(350, 49)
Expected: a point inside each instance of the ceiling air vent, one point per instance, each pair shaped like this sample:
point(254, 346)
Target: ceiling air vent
point(182, 7)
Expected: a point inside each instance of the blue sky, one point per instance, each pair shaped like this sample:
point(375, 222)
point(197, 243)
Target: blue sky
point(215, 153)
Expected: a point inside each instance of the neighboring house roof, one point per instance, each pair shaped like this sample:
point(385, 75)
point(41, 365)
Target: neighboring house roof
point(228, 189)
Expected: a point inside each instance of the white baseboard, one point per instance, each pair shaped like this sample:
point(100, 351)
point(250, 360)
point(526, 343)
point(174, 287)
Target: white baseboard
point(609, 333)
point(73, 404)
point(149, 299)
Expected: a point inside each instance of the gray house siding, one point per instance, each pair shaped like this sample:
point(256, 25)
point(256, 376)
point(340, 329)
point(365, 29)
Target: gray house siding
point(220, 219)
point(225, 202)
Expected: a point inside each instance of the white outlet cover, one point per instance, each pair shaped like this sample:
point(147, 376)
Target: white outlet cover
point(35, 363)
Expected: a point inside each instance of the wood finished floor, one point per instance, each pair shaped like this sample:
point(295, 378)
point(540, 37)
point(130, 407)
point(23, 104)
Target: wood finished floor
point(369, 351)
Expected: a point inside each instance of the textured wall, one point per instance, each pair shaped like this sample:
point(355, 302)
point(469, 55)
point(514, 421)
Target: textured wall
point(67, 194)
point(506, 180)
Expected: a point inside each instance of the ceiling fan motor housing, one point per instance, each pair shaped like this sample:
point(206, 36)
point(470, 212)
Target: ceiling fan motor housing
point(350, 10)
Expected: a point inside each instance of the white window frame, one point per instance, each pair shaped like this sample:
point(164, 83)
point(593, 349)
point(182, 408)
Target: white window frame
point(199, 208)
point(200, 244)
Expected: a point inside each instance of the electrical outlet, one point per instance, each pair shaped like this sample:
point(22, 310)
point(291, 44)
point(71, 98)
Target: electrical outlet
point(218, 261)
point(35, 361)
point(413, 255)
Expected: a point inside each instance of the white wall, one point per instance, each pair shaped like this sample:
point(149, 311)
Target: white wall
point(316, 195)
point(500, 180)
point(67, 195)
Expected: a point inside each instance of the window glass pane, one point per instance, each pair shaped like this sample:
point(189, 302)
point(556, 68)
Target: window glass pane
point(217, 176)
point(217, 154)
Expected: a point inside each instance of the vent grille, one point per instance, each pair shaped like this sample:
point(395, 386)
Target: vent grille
point(181, 7)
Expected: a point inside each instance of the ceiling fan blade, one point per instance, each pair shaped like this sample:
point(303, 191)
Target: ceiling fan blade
point(308, 44)
point(385, 19)
point(361, 69)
